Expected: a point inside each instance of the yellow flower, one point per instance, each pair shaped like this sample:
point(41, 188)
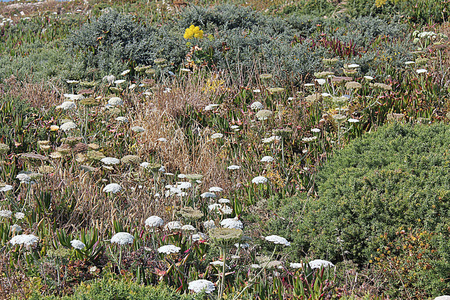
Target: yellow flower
point(193, 32)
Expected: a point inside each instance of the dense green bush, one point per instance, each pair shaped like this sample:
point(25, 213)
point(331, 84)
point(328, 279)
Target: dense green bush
point(390, 180)
point(107, 289)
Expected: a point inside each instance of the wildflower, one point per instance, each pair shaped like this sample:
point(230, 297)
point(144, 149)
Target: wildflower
point(275, 90)
point(420, 71)
point(233, 167)
point(208, 195)
point(68, 126)
point(66, 105)
point(308, 84)
point(184, 185)
point(122, 238)
point(255, 266)
point(353, 85)
point(24, 178)
point(201, 285)
point(382, 86)
point(296, 265)
point(267, 159)
point(138, 129)
point(110, 161)
point(316, 130)
point(15, 229)
point(263, 114)
point(112, 188)
point(168, 249)
point(163, 140)
point(209, 224)
point(277, 240)
point(72, 81)
point(234, 127)
point(115, 101)
point(77, 244)
point(409, 62)
point(224, 200)
point(318, 263)
point(353, 120)
point(320, 81)
point(210, 107)
point(122, 119)
point(6, 188)
point(109, 78)
point(171, 226)
point(5, 213)
point(216, 189)
point(309, 139)
point(131, 159)
point(232, 223)
point(265, 76)
point(214, 206)
point(120, 81)
point(271, 139)
point(125, 72)
point(193, 32)
point(216, 136)
point(216, 263)
point(256, 105)
point(225, 210)
point(351, 66)
point(188, 228)
point(368, 78)
point(154, 221)
point(259, 180)
point(54, 128)
point(24, 239)
point(256, 91)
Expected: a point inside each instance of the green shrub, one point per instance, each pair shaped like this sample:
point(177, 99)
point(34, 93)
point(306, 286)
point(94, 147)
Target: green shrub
point(385, 182)
point(108, 289)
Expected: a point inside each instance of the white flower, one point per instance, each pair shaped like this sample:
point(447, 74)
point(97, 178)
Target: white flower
point(122, 238)
point(316, 130)
point(309, 139)
point(115, 101)
point(201, 285)
point(210, 107)
point(184, 185)
point(296, 265)
point(125, 72)
point(308, 84)
point(326, 95)
point(208, 195)
point(319, 263)
point(24, 239)
point(267, 159)
point(199, 236)
point(73, 97)
point(172, 226)
point(168, 249)
point(72, 81)
point(19, 215)
point(217, 136)
point(233, 167)
point(138, 129)
point(420, 71)
point(24, 178)
point(77, 244)
point(163, 140)
point(112, 188)
point(15, 228)
point(110, 161)
point(66, 105)
point(353, 120)
point(232, 223)
point(224, 200)
point(259, 179)
point(209, 224)
point(255, 266)
point(109, 78)
point(132, 86)
point(154, 221)
point(409, 62)
point(368, 77)
point(256, 91)
point(226, 210)
point(216, 263)
point(353, 66)
point(122, 119)
point(120, 81)
point(216, 189)
point(256, 105)
point(188, 228)
point(5, 213)
point(214, 206)
point(243, 245)
point(277, 240)
point(321, 81)
point(271, 139)
point(68, 126)
point(6, 188)
point(234, 127)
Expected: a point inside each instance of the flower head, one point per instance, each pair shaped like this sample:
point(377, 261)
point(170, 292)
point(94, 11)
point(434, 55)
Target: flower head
point(277, 240)
point(154, 221)
point(193, 32)
point(232, 223)
point(319, 263)
point(5, 213)
point(168, 249)
point(112, 188)
point(68, 126)
point(201, 285)
point(256, 105)
point(259, 179)
point(77, 244)
point(110, 161)
point(122, 238)
point(24, 239)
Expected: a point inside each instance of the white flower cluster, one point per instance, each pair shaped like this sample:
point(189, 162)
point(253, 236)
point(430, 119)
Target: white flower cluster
point(168, 249)
point(68, 126)
point(256, 105)
point(201, 285)
point(277, 240)
point(77, 244)
point(24, 239)
point(319, 263)
point(232, 223)
point(110, 161)
point(122, 238)
point(112, 188)
point(259, 180)
point(154, 221)
point(5, 213)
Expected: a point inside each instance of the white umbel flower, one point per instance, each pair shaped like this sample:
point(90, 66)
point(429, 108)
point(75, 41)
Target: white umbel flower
point(168, 249)
point(215, 189)
point(319, 263)
point(112, 188)
point(259, 180)
point(110, 161)
point(188, 228)
point(224, 200)
point(174, 225)
point(77, 244)
point(68, 126)
point(277, 240)
point(208, 195)
point(15, 229)
point(217, 136)
point(138, 129)
point(209, 224)
point(420, 71)
point(6, 188)
point(256, 105)
point(233, 167)
point(296, 265)
point(5, 213)
point(122, 238)
point(66, 105)
point(24, 178)
point(19, 215)
point(201, 285)
point(115, 101)
point(232, 223)
point(24, 239)
point(154, 221)
point(267, 159)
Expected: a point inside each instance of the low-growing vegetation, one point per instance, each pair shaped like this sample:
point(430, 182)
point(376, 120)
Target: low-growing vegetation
point(257, 150)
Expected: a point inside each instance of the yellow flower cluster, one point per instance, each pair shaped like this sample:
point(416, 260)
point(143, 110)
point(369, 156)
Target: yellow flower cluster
point(193, 32)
